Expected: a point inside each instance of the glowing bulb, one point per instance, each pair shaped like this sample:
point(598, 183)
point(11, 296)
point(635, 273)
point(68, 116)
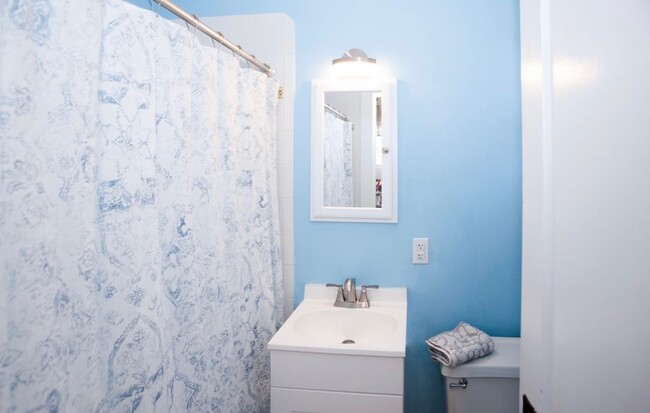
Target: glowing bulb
point(354, 69)
point(354, 63)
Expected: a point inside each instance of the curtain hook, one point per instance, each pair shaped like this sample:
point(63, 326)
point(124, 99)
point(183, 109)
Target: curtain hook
point(214, 43)
point(196, 25)
point(241, 57)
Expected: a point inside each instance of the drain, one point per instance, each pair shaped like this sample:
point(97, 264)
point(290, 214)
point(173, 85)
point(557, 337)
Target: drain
point(348, 342)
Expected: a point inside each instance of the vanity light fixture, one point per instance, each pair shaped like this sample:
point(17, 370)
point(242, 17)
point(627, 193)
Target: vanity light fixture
point(354, 63)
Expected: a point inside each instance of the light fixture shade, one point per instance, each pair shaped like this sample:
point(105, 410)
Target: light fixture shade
point(354, 63)
point(354, 55)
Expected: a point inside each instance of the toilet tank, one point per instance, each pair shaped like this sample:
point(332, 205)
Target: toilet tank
point(492, 382)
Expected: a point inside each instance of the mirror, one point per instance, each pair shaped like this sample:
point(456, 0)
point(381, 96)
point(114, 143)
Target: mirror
point(354, 151)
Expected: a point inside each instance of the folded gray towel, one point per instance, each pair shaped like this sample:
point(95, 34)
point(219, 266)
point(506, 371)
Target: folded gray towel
point(460, 345)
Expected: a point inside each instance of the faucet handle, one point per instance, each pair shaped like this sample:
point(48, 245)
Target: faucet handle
point(339, 293)
point(363, 297)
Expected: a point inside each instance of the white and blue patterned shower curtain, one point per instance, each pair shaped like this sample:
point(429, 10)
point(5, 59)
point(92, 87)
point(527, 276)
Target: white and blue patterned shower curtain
point(139, 241)
point(337, 162)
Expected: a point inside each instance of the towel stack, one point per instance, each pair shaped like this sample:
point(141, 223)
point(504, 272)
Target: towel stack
point(460, 345)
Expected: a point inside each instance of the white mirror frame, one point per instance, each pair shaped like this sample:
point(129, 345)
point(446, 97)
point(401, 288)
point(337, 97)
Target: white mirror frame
point(388, 212)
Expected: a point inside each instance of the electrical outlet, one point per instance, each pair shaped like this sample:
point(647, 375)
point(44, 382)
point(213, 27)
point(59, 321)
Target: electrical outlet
point(420, 250)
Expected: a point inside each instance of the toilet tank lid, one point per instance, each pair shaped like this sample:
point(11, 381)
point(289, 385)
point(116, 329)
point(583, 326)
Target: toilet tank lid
point(503, 362)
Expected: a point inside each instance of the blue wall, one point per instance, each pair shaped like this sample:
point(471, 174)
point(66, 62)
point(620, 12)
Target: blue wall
point(457, 63)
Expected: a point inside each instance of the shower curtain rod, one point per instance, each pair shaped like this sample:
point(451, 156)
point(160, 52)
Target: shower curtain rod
point(336, 112)
point(215, 35)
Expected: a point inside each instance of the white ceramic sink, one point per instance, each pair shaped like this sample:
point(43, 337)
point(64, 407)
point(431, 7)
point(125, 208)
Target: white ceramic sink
point(345, 324)
point(317, 326)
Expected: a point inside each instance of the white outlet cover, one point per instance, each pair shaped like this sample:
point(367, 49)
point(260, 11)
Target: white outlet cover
point(420, 250)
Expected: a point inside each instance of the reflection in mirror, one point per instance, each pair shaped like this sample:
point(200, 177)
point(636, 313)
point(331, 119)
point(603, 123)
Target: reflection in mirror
point(352, 149)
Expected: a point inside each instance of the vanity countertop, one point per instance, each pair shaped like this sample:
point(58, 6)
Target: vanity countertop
point(317, 326)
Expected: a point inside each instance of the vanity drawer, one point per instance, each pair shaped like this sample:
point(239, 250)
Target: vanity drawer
point(337, 372)
point(315, 401)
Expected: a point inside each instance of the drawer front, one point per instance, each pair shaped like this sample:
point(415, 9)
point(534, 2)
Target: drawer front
point(314, 401)
point(337, 372)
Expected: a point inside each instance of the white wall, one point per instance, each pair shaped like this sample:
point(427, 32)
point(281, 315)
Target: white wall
point(271, 38)
point(586, 214)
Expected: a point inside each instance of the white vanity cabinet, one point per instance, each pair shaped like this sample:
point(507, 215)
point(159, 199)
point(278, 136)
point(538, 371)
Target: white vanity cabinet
point(336, 383)
point(338, 360)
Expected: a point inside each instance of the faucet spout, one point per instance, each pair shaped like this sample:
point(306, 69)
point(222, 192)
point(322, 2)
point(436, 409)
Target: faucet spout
point(346, 295)
point(350, 290)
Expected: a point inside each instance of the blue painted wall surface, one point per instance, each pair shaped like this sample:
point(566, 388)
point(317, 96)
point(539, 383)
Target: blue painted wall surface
point(457, 65)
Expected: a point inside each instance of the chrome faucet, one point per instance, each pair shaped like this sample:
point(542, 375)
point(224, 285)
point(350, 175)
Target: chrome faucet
point(346, 295)
point(350, 290)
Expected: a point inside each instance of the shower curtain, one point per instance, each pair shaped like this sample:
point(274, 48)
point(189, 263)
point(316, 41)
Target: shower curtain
point(337, 162)
point(139, 244)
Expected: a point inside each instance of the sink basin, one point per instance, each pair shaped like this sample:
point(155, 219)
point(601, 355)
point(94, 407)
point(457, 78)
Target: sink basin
point(319, 327)
point(339, 324)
